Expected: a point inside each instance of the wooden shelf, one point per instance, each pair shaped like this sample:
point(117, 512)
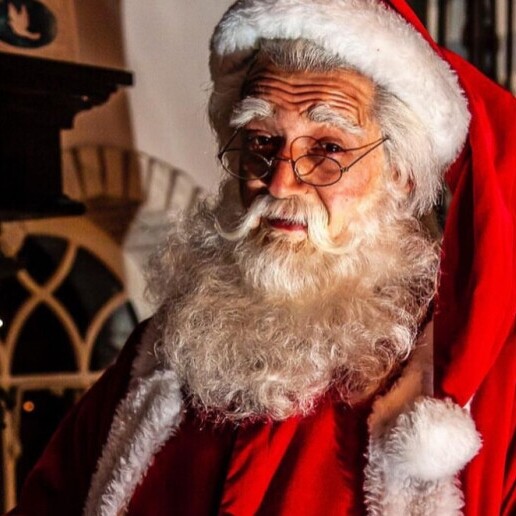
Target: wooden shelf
point(38, 99)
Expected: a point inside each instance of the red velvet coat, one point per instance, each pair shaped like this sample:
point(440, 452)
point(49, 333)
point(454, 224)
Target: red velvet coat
point(307, 466)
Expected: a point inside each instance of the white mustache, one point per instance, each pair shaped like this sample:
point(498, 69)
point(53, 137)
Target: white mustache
point(267, 207)
point(295, 210)
point(249, 221)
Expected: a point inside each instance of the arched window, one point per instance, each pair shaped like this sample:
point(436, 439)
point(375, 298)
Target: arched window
point(65, 315)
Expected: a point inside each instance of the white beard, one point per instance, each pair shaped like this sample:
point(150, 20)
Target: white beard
point(260, 326)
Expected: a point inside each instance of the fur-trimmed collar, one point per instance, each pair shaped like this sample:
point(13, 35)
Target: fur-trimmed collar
point(417, 444)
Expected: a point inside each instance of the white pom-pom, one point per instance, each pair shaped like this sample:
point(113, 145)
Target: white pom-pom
point(435, 440)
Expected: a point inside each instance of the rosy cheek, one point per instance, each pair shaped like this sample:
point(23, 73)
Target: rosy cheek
point(357, 184)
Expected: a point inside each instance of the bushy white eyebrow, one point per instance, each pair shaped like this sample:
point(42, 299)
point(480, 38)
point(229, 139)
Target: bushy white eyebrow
point(249, 109)
point(252, 108)
point(324, 114)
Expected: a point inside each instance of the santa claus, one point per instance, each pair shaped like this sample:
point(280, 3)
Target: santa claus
point(289, 368)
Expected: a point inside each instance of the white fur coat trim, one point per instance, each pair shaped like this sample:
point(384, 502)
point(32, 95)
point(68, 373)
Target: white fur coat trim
point(417, 444)
point(143, 422)
point(372, 38)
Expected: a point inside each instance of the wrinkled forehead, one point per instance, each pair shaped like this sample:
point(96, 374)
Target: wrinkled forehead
point(346, 91)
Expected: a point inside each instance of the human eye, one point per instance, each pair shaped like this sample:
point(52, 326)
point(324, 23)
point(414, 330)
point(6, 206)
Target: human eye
point(260, 143)
point(328, 148)
point(257, 141)
point(332, 148)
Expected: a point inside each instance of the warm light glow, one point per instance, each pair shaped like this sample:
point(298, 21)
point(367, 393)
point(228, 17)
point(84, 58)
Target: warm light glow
point(1, 323)
point(29, 406)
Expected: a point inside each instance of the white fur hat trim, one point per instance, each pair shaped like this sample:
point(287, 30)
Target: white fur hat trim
point(372, 38)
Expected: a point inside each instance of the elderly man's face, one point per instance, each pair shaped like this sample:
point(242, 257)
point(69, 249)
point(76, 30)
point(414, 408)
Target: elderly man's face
point(333, 109)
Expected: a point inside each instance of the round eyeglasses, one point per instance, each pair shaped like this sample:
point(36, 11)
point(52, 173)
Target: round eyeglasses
point(313, 167)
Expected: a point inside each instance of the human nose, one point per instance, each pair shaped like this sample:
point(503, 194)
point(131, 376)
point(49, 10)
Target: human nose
point(283, 182)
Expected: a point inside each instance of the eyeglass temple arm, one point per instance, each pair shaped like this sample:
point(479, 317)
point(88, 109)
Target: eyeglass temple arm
point(377, 144)
point(229, 142)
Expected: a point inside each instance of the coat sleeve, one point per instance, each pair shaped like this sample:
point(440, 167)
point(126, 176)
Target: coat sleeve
point(59, 482)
